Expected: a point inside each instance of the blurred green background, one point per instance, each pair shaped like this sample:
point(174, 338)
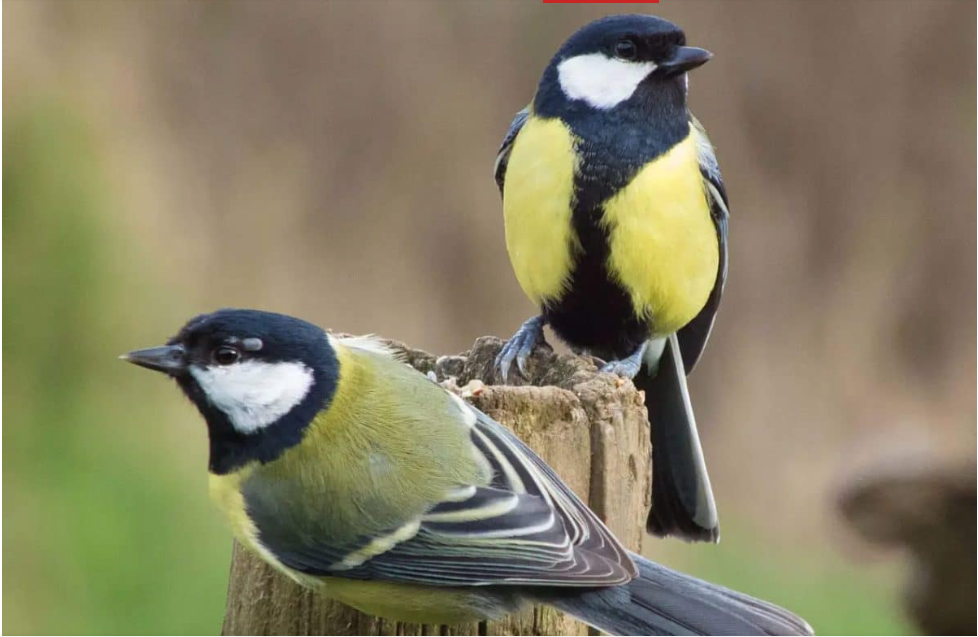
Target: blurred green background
point(333, 160)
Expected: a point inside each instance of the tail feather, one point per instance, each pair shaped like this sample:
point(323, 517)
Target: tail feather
point(661, 601)
point(682, 499)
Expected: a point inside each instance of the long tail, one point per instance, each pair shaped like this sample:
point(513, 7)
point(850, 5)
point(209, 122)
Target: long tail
point(682, 499)
point(663, 602)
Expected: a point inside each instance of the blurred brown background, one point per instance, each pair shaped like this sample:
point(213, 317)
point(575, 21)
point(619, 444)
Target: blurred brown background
point(333, 160)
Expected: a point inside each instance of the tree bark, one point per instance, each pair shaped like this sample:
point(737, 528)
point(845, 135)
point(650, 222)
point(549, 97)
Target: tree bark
point(591, 428)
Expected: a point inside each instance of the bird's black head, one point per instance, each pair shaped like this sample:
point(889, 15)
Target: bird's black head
point(623, 61)
point(258, 378)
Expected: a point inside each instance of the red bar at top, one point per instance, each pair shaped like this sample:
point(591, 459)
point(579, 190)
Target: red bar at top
point(600, 1)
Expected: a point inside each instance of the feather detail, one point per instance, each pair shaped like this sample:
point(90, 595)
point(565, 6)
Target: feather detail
point(523, 526)
point(368, 343)
point(694, 335)
point(506, 147)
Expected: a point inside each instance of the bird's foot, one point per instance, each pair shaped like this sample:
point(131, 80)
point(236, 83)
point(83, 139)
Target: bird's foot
point(627, 367)
point(520, 346)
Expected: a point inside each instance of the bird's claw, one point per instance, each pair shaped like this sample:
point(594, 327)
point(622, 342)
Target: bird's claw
point(519, 347)
point(627, 367)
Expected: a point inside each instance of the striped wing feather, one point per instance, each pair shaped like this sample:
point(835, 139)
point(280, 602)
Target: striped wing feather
point(526, 527)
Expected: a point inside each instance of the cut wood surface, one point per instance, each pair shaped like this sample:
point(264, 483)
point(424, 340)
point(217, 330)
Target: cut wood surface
point(591, 428)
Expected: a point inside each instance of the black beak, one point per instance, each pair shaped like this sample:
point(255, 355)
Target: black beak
point(169, 359)
point(685, 58)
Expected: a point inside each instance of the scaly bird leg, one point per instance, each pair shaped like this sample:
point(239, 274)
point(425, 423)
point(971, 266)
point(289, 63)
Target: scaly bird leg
point(628, 367)
point(520, 346)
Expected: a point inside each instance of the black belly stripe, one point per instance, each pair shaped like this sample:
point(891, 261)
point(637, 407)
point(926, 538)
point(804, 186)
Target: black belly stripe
point(596, 312)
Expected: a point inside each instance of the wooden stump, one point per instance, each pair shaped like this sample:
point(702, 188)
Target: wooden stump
point(591, 428)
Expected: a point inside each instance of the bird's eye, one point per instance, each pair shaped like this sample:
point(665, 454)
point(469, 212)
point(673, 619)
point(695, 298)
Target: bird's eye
point(626, 49)
point(226, 355)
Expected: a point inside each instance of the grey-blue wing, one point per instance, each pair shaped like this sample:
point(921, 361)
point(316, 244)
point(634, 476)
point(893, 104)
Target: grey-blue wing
point(525, 527)
point(502, 155)
point(694, 335)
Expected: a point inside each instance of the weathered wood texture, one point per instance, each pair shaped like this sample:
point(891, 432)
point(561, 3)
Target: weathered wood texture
point(591, 428)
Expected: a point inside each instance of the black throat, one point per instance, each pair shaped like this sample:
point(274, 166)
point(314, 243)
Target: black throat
point(231, 449)
point(596, 313)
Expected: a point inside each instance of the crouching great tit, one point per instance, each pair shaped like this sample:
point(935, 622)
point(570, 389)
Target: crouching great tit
point(616, 226)
point(351, 472)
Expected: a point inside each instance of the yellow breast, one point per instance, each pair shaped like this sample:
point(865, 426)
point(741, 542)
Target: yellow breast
point(537, 201)
point(225, 491)
point(663, 243)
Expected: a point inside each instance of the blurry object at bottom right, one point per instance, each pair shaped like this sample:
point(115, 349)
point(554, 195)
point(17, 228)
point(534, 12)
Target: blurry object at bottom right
point(928, 509)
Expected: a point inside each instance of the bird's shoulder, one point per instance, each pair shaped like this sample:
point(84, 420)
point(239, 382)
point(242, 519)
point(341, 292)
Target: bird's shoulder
point(709, 168)
point(506, 147)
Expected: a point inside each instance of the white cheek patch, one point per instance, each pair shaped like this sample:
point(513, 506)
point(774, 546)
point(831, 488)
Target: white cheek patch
point(254, 394)
point(599, 80)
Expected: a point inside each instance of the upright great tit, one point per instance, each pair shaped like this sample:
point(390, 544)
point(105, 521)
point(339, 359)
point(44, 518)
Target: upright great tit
point(616, 226)
point(352, 473)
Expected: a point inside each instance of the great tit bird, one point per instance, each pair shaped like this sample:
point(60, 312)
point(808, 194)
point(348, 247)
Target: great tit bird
point(353, 473)
point(616, 226)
